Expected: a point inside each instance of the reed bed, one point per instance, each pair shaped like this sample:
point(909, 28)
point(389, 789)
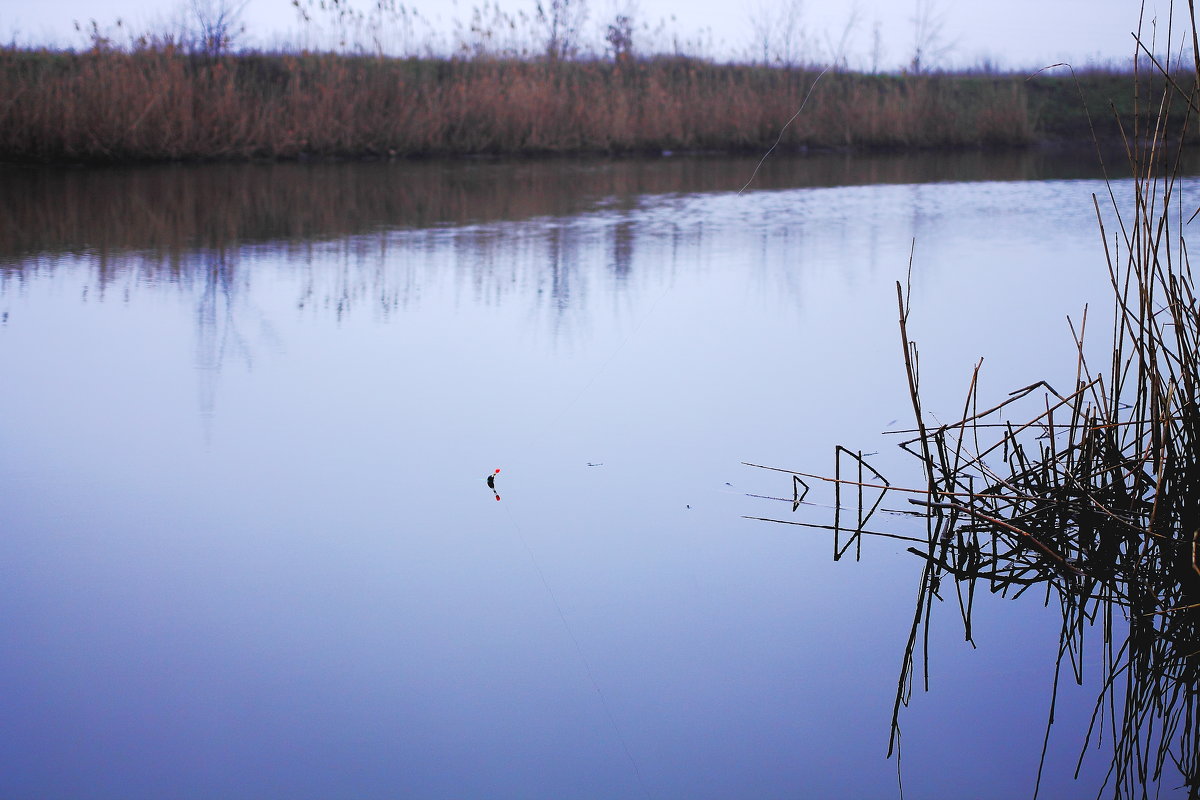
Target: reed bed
point(1090, 496)
point(159, 104)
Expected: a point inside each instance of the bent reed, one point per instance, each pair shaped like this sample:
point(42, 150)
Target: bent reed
point(1089, 496)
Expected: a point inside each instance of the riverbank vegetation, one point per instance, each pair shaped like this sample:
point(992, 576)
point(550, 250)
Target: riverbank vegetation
point(158, 103)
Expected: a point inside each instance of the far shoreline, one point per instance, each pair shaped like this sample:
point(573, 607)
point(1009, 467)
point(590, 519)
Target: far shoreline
point(165, 106)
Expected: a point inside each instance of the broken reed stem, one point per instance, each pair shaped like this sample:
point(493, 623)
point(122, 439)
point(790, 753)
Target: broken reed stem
point(1095, 495)
point(1026, 535)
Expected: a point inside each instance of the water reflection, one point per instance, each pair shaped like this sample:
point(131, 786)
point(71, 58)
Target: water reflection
point(1025, 521)
point(334, 240)
point(224, 309)
point(169, 224)
point(331, 589)
point(161, 214)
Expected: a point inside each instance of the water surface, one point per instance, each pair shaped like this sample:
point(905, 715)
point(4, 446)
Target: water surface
point(247, 414)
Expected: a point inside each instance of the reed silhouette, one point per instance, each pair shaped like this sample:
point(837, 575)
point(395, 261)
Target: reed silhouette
point(1090, 495)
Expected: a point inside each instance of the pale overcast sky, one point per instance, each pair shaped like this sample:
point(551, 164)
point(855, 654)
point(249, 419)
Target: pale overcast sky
point(1012, 33)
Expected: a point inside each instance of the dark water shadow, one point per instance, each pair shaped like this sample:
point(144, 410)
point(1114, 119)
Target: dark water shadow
point(160, 214)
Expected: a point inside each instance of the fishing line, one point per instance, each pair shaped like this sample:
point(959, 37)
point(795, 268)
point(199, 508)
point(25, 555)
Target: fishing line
point(783, 129)
point(491, 478)
point(494, 476)
point(587, 665)
point(670, 284)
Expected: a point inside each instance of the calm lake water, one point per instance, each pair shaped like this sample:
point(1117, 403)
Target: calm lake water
point(247, 414)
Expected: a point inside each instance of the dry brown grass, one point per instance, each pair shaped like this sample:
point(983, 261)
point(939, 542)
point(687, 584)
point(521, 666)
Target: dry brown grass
point(157, 104)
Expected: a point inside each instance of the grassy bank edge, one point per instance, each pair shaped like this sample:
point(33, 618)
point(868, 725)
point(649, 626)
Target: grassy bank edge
point(161, 105)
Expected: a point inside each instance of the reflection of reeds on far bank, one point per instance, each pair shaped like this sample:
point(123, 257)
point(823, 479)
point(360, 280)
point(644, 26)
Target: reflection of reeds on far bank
point(159, 104)
point(1089, 496)
point(163, 211)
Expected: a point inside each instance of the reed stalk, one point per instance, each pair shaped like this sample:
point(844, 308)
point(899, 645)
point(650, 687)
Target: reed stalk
point(1092, 494)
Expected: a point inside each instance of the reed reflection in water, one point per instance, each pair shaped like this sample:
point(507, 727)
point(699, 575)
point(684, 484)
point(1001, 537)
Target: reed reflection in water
point(167, 212)
point(317, 578)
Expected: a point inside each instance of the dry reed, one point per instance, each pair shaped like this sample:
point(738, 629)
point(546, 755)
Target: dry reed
point(1093, 494)
point(157, 104)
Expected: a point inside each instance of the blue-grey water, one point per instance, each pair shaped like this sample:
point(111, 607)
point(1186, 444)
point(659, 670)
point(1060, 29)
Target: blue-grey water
point(247, 413)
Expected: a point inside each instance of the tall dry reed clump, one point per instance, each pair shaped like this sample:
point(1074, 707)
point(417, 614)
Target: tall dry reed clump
point(159, 104)
point(1091, 495)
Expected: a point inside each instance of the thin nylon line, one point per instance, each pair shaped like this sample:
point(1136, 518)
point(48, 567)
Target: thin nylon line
point(599, 371)
point(587, 666)
point(784, 128)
